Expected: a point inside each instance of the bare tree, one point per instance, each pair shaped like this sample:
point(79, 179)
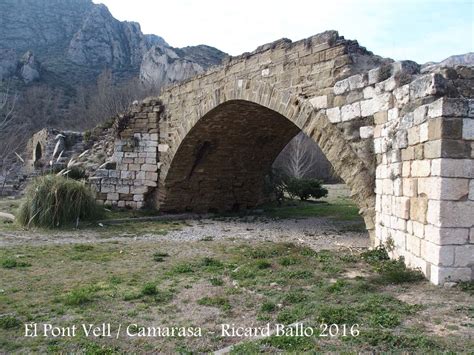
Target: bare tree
point(299, 156)
point(8, 99)
point(302, 158)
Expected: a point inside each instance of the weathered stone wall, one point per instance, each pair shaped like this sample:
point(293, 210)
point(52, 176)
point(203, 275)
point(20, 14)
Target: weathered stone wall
point(424, 186)
point(131, 173)
point(402, 142)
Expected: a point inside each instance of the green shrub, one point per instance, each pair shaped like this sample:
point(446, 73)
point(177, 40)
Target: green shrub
point(274, 185)
point(53, 201)
point(305, 188)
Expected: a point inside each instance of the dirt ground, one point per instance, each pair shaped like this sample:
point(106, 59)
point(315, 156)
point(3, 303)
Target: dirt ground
point(248, 271)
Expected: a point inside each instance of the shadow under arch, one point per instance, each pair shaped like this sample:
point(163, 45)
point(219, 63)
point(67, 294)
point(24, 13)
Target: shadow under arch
point(220, 162)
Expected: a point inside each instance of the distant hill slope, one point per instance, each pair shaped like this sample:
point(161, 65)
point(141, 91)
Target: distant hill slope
point(66, 42)
point(452, 61)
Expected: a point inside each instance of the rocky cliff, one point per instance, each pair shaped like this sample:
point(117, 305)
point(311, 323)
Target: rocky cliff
point(72, 41)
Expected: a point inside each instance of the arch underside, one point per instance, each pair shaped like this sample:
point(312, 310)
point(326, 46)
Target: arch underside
point(221, 163)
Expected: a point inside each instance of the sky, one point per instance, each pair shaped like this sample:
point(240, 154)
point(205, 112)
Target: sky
point(420, 30)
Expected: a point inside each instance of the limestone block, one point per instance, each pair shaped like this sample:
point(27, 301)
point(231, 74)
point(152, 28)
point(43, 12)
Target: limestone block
point(334, 114)
point(468, 129)
point(410, 187)
point(402, 95)
point(420, 114)
point(471, 189)
point(423, 132)
point(414, 135)
point(133, 167)
point(427, 85)
point(150, 183)
point(387, 85)
point(349, 112)
point(420, 168)
point(398, 223)
point(408, 153)
point(356, 82)
point(373, 76)
point(368, 92)
point(127, 175)
point(444, 236)
point(452, 167)
point(401, 140)
point(149, 167)
point(457, 214)
point(437, 255)
point(380, 117)
point(123, 189)
point(151, 176)
point(399, 239)
point(401, 207)
point(101, 173)
point(392, 114)
point(418, 208)
point(448, 107)
point(397, 187)
point(106, 188)
point(138, 189)
point(163, 148)
point(341, 87)
point(387, 187)
point(439, 274)
point(138, 198)
point(406, 169)
point(366, 132)
point(319, 102)
point(438, 188)
point(418, 229)
point(112, 196)
point(471, 236)
point(413, 244)
point(377, 103)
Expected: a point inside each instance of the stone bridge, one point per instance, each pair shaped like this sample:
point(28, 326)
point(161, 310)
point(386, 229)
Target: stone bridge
point(401, 140)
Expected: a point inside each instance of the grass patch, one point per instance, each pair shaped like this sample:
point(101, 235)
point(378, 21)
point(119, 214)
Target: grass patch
point(268, 307)
point(159, 257)
point(217, 301)
point(390, 271)
point(9, 322)
point(80, 296)
point(149, 289)
point(289, 343)
point(10, 263)
point(81, 248)
point(216, 281)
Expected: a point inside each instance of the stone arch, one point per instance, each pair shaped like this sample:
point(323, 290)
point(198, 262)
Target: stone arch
point(286, 114)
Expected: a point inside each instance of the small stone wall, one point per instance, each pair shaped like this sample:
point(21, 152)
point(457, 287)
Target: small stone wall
point(131, 174)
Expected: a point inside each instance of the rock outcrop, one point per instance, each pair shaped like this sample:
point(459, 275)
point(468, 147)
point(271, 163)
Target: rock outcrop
point(163, 65)
point(30, 68)
point(75, 40)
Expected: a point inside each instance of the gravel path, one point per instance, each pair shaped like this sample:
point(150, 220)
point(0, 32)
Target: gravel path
point(316, 232)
